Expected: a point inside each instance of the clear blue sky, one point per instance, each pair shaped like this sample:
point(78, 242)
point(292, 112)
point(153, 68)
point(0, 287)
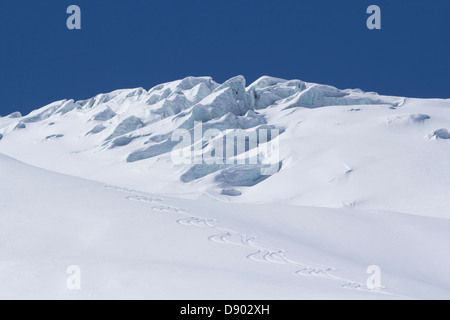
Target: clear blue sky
point(141, 43)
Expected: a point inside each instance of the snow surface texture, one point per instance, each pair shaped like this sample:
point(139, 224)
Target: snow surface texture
point(131, 244)
point(362, 179)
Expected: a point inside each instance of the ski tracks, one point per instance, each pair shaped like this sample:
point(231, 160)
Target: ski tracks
point(259, 253)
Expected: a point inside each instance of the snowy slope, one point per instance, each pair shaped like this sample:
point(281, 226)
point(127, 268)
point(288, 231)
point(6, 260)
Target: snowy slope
point(360, 179)
point(338, 148)
point(134, 245)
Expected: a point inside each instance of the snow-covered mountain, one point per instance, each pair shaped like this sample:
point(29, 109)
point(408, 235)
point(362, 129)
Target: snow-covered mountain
point(134, 245)
point(336, 148)
point(327, 182)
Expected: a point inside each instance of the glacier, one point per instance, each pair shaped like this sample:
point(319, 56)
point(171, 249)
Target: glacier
point(358, 178)
point(323, 130)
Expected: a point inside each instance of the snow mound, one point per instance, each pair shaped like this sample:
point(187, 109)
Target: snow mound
point(440, 134)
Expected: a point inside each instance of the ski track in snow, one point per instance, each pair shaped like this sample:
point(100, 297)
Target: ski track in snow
point(260, 253)
point(144, 199)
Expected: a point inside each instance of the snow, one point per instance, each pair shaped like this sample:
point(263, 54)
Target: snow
point(97, 129)
point(441, 134)
point(121, 141)
point(54, 136)
point(105, 115)
point(324, 132)
point(15, 115)
point(44, 113)
point(128, 125)
point(21, 125)
point(410, 119)
point(231, 192)
point(130, 244)
point(361, 179)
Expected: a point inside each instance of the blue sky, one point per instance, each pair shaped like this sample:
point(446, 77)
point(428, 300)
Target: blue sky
point(141, 43)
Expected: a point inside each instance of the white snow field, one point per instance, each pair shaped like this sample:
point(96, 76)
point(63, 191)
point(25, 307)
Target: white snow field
point(361, 179)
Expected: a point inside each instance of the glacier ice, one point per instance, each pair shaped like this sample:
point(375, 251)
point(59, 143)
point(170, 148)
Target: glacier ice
point(21, 125)
point(440, 134)
point(97, 129)
point(121, 142)
point(126, 126)
point(199, 171)
point(152, 151)
point(242, 175)
point(322, 95)
point(54, 136)
point(231, 192)
point(15, 115)
point(130, 115)
point(105, 115)
point(67, 107)
point(44, 113)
